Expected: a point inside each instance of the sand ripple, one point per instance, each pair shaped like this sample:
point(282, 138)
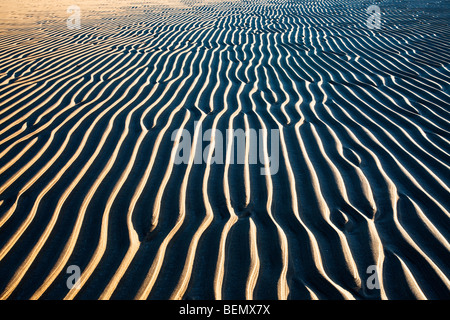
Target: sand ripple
point(88, 175)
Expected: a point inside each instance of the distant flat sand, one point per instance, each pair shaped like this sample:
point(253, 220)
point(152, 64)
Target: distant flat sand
point(359, 206)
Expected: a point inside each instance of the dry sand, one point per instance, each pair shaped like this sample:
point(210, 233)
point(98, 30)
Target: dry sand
point(87, 160)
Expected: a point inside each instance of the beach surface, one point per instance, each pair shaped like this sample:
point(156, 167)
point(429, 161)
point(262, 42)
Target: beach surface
point(98, 97)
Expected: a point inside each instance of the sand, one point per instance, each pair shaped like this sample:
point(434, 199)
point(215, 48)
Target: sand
point(358, 207)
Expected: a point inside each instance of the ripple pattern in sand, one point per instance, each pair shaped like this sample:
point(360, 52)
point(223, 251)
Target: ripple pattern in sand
point(88, 175)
